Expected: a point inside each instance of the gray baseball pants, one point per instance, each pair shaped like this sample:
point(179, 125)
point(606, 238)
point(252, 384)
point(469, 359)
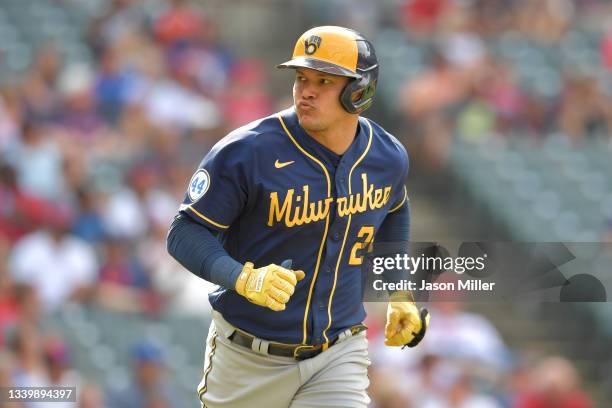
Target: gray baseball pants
point(237, 377)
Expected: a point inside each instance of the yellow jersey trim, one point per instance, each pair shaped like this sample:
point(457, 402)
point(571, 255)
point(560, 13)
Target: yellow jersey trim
point(346, 231)
point(397, 207)
point(318, 264)
point(205, 218)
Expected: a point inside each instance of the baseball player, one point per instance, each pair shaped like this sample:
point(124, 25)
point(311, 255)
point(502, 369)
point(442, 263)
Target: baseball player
point(279, 215)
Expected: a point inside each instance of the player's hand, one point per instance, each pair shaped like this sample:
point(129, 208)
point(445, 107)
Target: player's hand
point(406, 324)
point(270, 286)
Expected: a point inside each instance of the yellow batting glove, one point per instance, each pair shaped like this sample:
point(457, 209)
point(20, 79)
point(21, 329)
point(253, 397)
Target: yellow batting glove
point(270, 286)
point(406, 325)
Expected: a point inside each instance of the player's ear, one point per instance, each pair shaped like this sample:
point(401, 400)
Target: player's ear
point(357, 95)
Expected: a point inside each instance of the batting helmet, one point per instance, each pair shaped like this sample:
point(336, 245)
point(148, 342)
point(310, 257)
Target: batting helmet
point(340, 51)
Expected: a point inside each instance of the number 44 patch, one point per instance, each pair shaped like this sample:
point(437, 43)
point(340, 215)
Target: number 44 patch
point(198, 186)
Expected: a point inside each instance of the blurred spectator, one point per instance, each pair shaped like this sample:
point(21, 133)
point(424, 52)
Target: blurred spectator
point(80, 116)
point(434, 91)
point(387, 390)
point(38, 161)
point(61, 266)
point(88, 223)
point(457, 333)
point(40, 95)
point(19, 304)
point(114, 86)
point(500, 90)
point(179, 23)
point(130, 212)
point(125, 284)
point(170, 103)
point(29, 369)
point(421, 17)
point(149, 383)
point(121, 19)
point(428, 104)
point(247, 98)
point(60, 372)
point(585, 111)
point(184, 293)
point(11, 112)
point(545, 21)
point(476, 119)
point(123, 215)
point(457, 390)
point(57, 358)
point(606, 50)
point(463, 49)
point(7, 362)
point(28, 304)
point(9, 309)
point(90, 396)
point(554, 383)
point(20, 212)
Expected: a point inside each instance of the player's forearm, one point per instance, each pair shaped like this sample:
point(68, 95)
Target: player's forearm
point(198, 250)
point(395, 229)
point(396, 226)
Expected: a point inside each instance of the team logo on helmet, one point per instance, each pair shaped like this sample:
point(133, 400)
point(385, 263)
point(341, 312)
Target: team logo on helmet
point(312, 44)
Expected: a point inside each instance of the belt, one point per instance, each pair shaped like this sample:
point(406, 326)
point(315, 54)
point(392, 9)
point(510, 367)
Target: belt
point(297, 351)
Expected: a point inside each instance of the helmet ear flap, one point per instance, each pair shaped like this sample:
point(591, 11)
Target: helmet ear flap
point(358, 94)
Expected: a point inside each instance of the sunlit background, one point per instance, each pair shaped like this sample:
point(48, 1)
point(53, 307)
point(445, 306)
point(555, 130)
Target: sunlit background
point(107, 107)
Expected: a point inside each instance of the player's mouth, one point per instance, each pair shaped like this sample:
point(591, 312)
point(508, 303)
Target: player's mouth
point(305, 106)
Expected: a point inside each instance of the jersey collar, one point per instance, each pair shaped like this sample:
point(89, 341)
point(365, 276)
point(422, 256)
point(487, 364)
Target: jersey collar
point(329, 158)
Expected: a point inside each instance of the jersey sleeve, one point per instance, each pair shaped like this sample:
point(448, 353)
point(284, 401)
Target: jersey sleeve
point(400, 193)
point(218, 190)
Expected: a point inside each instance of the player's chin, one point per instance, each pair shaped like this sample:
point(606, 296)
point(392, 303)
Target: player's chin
point(309, 123)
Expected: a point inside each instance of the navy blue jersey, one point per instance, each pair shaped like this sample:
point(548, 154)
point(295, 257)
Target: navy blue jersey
point(275, 193)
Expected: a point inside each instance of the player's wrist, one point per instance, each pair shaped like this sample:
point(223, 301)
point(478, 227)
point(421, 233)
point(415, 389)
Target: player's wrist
point(243, 277)
point(401, 296)
point(224, 271)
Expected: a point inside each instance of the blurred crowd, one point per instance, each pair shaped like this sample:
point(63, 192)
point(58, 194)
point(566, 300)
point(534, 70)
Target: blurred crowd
point(464, 363)
point(94, 159)
point(506, 68)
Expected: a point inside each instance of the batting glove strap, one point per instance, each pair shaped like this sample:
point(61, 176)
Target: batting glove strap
point(419, 336)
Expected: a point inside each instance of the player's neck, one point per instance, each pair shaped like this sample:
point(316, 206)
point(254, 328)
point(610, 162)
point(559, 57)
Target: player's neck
point(339, 137)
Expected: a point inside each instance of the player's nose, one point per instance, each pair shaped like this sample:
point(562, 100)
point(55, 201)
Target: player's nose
point(308, 91)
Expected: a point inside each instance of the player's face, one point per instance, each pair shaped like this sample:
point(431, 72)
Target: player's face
point(316, 96)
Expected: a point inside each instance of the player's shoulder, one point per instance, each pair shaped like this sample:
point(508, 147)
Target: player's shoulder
point(385, 142)
point(251, 136)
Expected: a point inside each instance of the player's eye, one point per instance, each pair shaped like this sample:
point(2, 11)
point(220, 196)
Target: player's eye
point(300, 78)
point(325, 81)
